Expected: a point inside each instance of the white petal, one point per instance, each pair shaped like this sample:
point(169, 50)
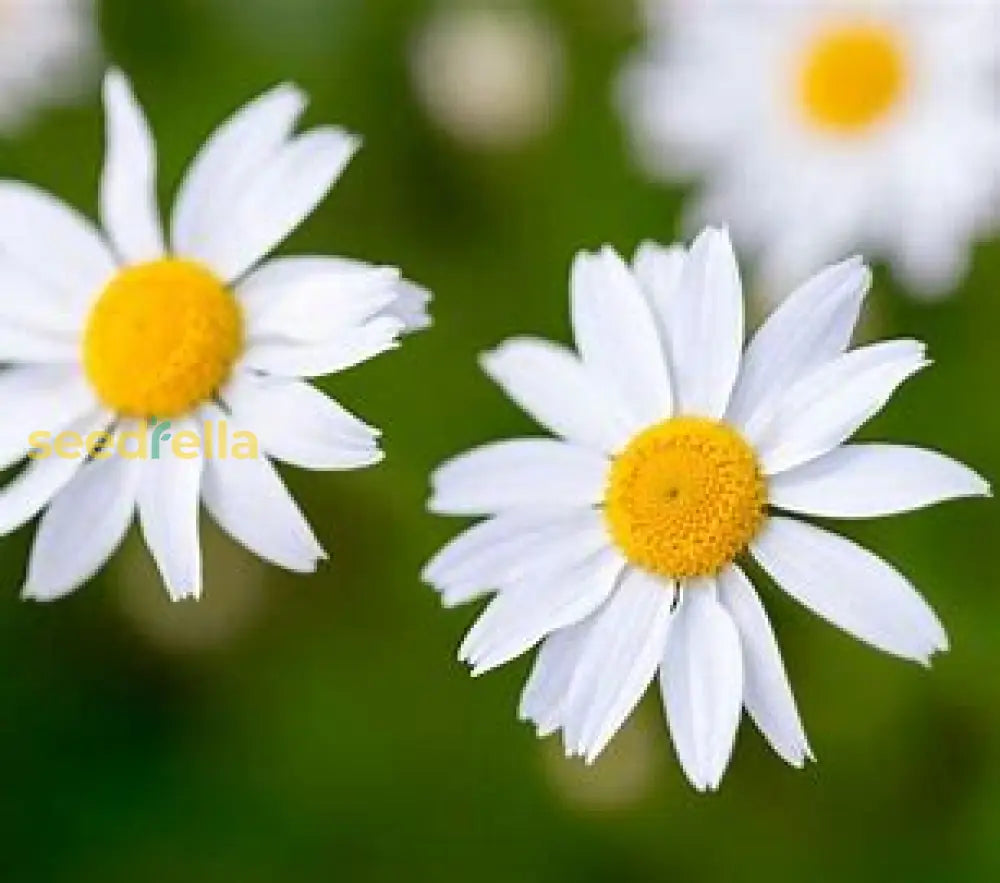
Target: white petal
point(659, 270)
point(552, 386)
point(39, 399)
point(616, 335)
point(129, 208)
point(827, 406)
point(871, 480)
point(82, 528)
point(250, 502)
point(519, 473)
point(767, 694)
point(21, 345)
point(296, 423)
point(53, 242)
point(508, 547)
point(31, 491)
point(706, 327)
point(312, 299)
point(233, 153)
point(345, 350)
point(702, 684)
point(28, 302)
point(620, 658)
point(539, 604)
point(849, 587)
point(168, 511)
point(274, 199)
point(811, 327)
point(411, 306)
point(544, 694)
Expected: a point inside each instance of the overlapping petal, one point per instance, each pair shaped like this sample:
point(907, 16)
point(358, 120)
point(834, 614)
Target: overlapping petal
point(618, 661)
point(616, 336)
point(767, 694)
point(552, 386)
point(536, 605)
point(702, 684)
point(831, 403)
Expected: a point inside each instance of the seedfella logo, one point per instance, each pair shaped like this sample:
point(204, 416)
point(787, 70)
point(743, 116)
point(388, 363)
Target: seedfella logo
point(149, 441)
point(160, 433)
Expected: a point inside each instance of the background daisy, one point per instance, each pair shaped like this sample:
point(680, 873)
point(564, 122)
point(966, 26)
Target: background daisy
point(124, 332)
point(617, 546)
point(819, 128)
point(47, 49)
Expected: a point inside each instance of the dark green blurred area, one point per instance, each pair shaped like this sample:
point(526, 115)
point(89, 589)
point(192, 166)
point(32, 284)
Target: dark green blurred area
point(320, 728)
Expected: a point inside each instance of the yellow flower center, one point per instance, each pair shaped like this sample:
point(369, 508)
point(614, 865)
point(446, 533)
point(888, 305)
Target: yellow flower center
point(851, 77)
point(685, 497)
point(161, 339)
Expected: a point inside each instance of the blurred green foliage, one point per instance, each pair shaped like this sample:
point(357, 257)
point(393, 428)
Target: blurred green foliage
point(320, 728)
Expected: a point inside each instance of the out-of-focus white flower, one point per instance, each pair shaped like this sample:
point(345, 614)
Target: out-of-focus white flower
point(237, 601)
point(820, 128)
point(618, 547)
point(45, 46)
point(489, 77)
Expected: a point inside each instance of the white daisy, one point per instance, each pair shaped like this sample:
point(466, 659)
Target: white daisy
point(45, 45)
point(118, 328)
point(616, 546)
point(823, 127)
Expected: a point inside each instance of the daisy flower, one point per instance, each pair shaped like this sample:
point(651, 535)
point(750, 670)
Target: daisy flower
point(618, 546)
point(119, 329)
point(820, 127)
point(44, 46)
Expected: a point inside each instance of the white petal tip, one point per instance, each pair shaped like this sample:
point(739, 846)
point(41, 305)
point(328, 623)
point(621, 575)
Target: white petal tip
point(30, 593)
point(291, 90)
point(800, 757)
point(114, 78)
point(927, 660)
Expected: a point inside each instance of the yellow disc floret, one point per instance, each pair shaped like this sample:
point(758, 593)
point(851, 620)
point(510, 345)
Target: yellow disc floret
point(161, 339)
point(851, 77)
point(685, 497)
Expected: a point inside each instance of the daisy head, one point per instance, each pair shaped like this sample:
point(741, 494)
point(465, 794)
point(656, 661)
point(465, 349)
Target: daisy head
point(821, 127)
point(618, 545)
point(138, 362)
point(45, 45)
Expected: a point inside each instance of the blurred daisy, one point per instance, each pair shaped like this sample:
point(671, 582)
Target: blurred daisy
point(616, 546)
point(119, 329)
point(489, 77)
point(44, 46)
point(820, 128)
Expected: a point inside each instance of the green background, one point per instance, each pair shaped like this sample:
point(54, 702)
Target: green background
point(320, 728)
